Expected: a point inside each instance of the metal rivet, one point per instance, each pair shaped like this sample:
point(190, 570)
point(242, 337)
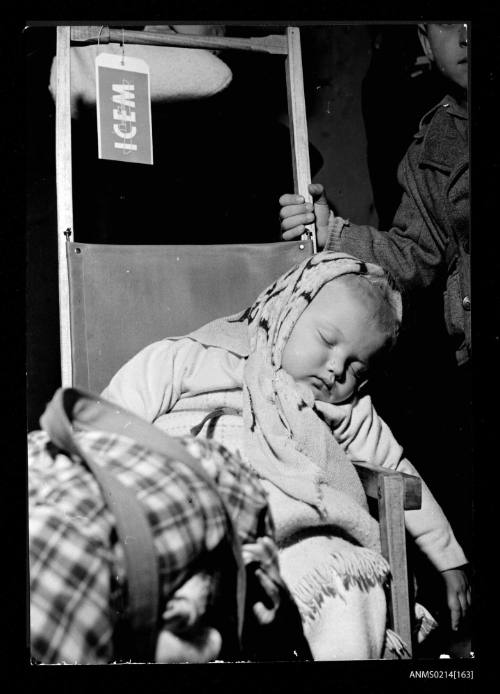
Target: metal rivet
point(466, 303)
point(78, 250)
point(301, 246)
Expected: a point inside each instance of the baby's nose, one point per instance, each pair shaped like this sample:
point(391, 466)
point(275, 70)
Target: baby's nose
point(336, 367)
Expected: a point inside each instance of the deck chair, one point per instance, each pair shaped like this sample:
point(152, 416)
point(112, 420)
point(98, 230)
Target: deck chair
point(116, 299)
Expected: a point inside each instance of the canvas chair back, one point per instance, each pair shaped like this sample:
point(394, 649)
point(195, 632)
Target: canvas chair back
point(122, 298)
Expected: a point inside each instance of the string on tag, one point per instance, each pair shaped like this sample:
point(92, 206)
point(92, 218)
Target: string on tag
point(99, 34)
point(123, 46)
point(99, 37)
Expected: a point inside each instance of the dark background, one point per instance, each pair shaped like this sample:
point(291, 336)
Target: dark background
point(224, 162)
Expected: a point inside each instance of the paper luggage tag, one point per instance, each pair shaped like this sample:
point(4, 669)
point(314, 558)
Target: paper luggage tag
point(123, 109)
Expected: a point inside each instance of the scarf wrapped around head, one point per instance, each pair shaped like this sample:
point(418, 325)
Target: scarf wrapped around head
point(285, 439)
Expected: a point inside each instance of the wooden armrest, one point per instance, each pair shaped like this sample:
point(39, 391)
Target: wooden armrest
point(395, 492)
point(96, 34)
point(372, 478)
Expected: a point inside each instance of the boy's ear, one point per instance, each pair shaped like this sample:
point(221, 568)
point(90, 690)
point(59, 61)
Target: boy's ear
point(424, 41)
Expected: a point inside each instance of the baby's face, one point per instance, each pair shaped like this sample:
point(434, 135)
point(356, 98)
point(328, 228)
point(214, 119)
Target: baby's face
point(333, 342)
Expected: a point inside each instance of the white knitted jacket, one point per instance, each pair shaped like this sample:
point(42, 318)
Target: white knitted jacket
point(176, 383)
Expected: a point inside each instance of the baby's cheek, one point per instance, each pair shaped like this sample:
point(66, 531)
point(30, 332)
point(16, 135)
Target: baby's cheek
point(292, 360)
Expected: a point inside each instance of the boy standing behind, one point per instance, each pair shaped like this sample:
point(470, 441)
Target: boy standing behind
point(429, 238)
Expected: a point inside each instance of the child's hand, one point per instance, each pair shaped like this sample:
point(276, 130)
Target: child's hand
point(295, 214)
point(266, 571)
point(201, 646)
point(458, 592)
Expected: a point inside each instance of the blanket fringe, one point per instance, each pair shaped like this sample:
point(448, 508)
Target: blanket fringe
point(424, 622)
point(395, 644)
point(362, 568)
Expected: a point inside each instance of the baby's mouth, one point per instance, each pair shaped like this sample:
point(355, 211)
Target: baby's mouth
point(321, 384)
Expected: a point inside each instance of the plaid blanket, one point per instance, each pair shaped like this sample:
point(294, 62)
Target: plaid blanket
point(77, 575)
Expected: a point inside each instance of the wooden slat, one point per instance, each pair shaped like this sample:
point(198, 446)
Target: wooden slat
point(393, 545)
point(275, 44)
point(64, 194)
point(298, 122)
point(395, 492)
point(370, 477)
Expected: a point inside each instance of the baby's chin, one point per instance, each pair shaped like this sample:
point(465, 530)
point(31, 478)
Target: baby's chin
point(332, 398)
point(311, 394)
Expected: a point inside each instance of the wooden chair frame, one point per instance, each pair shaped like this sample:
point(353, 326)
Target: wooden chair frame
point(394, 492)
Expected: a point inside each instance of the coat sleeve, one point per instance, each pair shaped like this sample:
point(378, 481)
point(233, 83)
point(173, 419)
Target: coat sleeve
point(152, 381)
point(366, 437)
point(413, 249)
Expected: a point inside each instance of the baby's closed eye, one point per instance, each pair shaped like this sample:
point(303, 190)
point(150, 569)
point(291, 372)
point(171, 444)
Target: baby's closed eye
point(326, 339)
